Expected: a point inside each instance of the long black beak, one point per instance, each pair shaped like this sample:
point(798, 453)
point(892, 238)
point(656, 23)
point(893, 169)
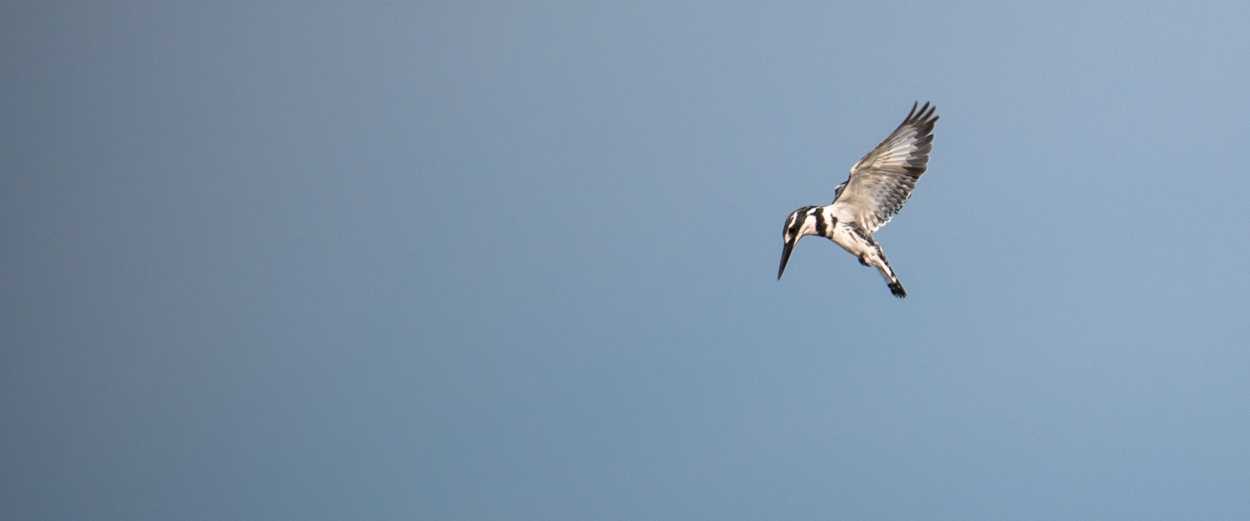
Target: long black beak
point(785, 257)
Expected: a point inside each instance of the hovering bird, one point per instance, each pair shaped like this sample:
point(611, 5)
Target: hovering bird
point(878, 186)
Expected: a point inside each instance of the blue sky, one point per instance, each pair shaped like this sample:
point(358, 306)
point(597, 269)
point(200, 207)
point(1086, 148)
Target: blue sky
point(455, 260)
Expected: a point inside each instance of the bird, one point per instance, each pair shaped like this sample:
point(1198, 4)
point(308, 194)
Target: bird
point(878, 186)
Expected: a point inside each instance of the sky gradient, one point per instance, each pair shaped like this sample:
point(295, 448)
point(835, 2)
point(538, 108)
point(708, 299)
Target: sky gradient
point(469, 260)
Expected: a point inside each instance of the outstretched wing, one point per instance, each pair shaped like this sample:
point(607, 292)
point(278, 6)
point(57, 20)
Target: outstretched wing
point(882, 181)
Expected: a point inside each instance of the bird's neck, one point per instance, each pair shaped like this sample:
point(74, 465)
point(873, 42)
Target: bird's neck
point(822, 221)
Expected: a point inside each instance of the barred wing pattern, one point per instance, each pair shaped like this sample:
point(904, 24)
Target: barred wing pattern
point(883, 180)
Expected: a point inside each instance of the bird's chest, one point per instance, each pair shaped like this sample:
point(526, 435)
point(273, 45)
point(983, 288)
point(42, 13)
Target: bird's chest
point(850, 241)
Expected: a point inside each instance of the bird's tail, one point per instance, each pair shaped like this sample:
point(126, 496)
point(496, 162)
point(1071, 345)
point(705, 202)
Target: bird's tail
point(887, 273)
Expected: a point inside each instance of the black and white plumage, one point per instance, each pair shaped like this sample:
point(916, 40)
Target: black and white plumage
point(878, 186)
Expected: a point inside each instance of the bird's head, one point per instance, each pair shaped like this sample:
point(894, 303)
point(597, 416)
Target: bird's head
point(800, 222)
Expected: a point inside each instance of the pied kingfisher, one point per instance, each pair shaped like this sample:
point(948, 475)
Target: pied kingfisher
point(878, 186)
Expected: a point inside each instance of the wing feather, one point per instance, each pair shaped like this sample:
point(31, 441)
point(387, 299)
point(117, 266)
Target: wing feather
point(883, 179)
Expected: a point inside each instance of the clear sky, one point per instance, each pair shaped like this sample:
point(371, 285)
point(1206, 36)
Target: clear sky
point(516, 260)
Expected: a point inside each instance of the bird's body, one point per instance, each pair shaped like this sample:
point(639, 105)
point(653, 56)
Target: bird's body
point(878, 186)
